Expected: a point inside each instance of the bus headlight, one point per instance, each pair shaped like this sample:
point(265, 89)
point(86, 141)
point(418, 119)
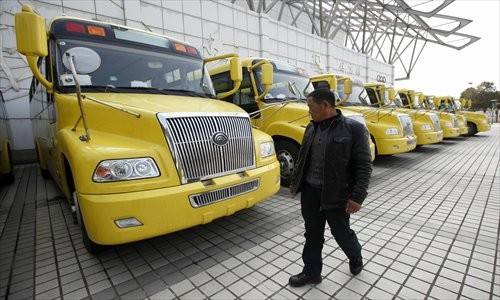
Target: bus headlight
point(125, 169)
point(392, 131)
point(426, 127)
point(267, 149)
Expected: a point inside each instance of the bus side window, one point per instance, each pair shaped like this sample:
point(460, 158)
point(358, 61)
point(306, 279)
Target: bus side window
point(222, 83)
point(372, 96)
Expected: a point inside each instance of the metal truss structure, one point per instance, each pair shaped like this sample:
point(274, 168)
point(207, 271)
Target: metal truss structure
point(393, 31)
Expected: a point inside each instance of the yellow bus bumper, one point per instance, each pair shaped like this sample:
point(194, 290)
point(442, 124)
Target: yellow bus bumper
point(167, 210)
point(450, 132)
point(463, 130)
point(397, 145)
point(426, 138)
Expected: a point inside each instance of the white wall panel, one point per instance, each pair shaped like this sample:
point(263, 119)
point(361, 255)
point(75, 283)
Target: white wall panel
point(192, 26)
point(209, 11)
point(22, 134)
point(240, 20)
point(112, 9)
point(174, 5)
point(173, 21)
point(132, 11)
point(81, 5)
point(192, 8)
point(225, 15)
point(241, 38)
point(151, 15)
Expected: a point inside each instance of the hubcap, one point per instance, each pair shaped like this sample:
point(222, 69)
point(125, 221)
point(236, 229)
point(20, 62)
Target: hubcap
point(287, 164)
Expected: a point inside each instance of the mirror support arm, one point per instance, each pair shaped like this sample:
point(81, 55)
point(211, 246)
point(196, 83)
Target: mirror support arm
point(32, 63)
point(86, 137)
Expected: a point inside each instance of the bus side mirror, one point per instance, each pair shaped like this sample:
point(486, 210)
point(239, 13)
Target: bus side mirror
point(347, 86)
point(31, 36)
point(382, 90)
point(267, 74)
point(235, 69)
point(266, 80)
point(31, 40)
point(391, 94)
point(333, 83)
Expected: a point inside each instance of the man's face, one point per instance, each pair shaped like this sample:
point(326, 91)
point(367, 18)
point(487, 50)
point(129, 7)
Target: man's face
point(318, 111)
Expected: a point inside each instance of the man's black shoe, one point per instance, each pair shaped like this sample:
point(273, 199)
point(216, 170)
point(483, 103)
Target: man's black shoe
point(303, 279)
point(356, 265)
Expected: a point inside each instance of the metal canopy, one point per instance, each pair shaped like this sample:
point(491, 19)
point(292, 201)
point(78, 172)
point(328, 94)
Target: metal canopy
point(393, 31)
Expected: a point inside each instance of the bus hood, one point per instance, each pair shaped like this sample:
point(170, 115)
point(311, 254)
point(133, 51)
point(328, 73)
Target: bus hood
point(165, 103)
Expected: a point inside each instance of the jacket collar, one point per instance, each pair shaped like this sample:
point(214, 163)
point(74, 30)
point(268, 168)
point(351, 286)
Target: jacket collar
point(332, 121)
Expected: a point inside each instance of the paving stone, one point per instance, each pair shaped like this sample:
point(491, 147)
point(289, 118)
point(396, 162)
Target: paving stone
point(421, 239)
point(77, 294)
point(99, 286)
point(154, 287)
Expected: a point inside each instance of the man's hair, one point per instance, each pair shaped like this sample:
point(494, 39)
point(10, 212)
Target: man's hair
point(323, 94)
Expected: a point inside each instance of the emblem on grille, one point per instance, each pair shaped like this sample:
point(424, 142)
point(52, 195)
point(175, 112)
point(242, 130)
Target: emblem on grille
point(219, 138)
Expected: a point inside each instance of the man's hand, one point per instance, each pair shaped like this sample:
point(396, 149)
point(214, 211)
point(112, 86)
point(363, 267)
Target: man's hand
point(293, 190)
point(352, 206)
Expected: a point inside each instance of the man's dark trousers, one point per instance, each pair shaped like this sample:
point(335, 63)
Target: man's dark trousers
point(315, 219)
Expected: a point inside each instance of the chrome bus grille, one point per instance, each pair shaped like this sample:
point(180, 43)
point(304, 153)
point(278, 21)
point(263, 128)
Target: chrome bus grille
point(208, 198)
point(454, 119)
point(205, 146)
point(435, 121)
point(407, 125)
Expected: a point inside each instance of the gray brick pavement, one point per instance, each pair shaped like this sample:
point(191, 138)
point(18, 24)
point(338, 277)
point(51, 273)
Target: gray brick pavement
point(429, 229)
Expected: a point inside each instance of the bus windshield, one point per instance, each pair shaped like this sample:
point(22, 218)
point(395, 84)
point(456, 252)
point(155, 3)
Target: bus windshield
point(288, 86)
point(121, 68)
point(359, 96)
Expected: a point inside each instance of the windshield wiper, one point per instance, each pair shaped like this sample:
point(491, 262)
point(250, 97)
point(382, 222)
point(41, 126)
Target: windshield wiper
point(286, 99)
point(150, 90)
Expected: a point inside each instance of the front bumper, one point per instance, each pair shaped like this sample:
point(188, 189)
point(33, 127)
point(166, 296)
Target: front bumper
point(450, 132)
point(167, 210)
point(426, 138)
point(396, 145)
point(463, 130)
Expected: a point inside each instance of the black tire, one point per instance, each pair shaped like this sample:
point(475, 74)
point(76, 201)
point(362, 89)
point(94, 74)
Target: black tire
point(287, 153)
point(471, 129)
point(87, 242)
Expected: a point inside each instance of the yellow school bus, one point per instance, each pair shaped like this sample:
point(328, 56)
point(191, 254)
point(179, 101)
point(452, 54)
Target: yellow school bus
point(425, 124)
point(449, 122)
point(274, 93)
point(391, 132)
point(128, 125)
point(475, 122)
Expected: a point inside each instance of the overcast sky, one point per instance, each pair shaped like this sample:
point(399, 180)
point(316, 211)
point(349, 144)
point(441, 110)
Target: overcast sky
point(445, 71)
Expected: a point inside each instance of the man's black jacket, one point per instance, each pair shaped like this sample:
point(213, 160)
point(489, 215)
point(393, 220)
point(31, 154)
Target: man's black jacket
point(348, 162)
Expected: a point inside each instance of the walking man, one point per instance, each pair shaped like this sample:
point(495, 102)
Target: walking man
point(332, 173)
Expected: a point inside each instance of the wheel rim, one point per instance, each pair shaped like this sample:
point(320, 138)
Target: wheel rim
point(287, 163)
